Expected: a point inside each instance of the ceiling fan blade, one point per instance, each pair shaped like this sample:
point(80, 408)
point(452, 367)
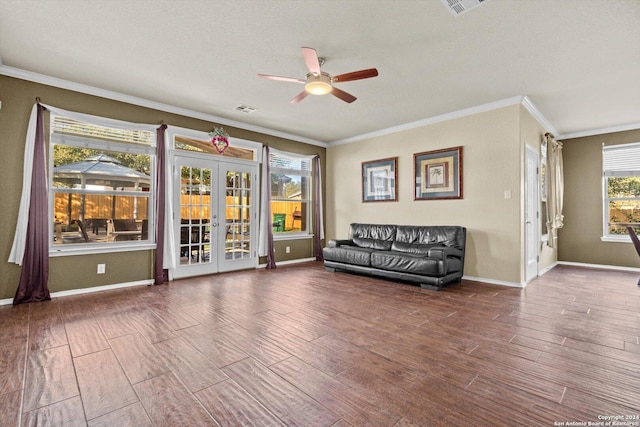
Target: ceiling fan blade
point(282, 79)
point(311, 59)
point(346, 97)
point(299, 97)
point(356, 75)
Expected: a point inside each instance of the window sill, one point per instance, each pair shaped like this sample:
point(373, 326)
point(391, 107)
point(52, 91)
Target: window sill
point(292, 236)
point(616, 239)
point(98, 249)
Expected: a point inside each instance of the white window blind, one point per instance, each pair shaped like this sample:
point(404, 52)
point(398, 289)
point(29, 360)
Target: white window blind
point(67, 126)
point(283, 164)
point(621, 160)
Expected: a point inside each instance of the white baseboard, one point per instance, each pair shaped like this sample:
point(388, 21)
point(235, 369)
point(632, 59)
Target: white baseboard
point(293, 261)
point(90, 290)
point(547, 269)
point(101, 288)
point(600, 266)
point(495, 282)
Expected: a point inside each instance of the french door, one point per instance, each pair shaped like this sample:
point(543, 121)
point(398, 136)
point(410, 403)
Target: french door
point(215, 220)
point(238, 240)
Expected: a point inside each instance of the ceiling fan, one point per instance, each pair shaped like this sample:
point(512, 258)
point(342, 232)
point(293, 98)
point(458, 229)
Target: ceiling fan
point(318, 82)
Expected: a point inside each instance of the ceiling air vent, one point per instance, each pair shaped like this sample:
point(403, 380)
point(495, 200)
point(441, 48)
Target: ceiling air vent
point(458, 7)
point(245, 109)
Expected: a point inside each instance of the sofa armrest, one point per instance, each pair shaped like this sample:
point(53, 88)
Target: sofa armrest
point(443, 252)
point(334, 243)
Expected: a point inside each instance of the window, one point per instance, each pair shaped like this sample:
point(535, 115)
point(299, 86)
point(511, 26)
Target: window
point(290, 193)
point(621, 164)
point(101, 184)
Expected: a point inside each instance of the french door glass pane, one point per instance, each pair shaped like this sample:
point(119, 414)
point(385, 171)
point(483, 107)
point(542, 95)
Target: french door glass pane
point(238, 221)
point(195, 215)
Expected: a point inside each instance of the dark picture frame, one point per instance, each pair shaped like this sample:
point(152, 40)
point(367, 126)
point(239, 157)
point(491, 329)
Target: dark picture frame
point(380, 180)
point(438, 174)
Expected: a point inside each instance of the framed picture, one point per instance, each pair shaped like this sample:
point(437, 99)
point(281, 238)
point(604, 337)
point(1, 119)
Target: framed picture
point(380, 180)
point(438, 174)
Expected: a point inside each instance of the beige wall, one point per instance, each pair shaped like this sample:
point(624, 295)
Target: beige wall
point(580, 238)
point(492, 163)
point(74, 272)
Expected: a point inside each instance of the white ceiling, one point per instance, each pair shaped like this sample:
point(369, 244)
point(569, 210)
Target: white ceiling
point(577, 61)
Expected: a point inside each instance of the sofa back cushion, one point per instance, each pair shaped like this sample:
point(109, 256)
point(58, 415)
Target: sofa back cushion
point(447, 235)
point(414, 248)
point(382, 245)
point(374, 236)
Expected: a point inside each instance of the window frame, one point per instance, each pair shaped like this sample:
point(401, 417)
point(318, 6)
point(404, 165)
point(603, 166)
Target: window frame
point(622, 171)
point(308, 174)
point(82, 248)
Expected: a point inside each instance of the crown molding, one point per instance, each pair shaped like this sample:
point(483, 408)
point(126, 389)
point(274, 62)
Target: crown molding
point(108, 94)
point(533, 110)
point(613, 129)
point(526, 102)
point(435, 119)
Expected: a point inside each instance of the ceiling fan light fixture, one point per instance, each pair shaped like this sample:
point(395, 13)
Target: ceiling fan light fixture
point(318, 84)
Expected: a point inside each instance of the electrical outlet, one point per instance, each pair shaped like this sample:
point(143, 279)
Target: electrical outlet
point(101, 268)
point(287, 249)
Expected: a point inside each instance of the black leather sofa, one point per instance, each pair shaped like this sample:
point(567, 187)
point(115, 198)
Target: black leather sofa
point(432, 256)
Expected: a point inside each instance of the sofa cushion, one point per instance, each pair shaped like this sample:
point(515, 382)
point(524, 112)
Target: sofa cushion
point(447, 235)
point(381, 245)
point(349, 255)
point(408, 263)
point(373, 231)
point(414, 248)
point(374, 236)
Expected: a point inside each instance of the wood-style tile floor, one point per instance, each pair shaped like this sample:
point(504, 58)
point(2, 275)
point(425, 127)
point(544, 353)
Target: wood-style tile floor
point(300, 346)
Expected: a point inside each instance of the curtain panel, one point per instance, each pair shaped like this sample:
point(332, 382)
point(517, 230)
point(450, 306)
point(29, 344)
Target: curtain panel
point(20, 235)
point(265, 244)
point(169, 250)
point(161, 274)
point(555, 195)
point(35, 241)
point(318, 228)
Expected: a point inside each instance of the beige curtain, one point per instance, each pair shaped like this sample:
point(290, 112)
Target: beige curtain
point(555, 189)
